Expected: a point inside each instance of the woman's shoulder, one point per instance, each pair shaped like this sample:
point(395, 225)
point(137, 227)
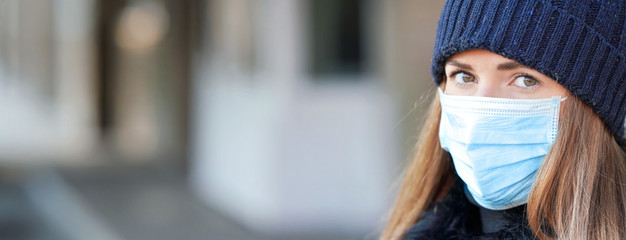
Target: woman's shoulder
point(446, 218)
point(454, 217)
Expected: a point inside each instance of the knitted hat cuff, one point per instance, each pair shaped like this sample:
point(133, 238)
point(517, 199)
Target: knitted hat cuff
point(542, 36)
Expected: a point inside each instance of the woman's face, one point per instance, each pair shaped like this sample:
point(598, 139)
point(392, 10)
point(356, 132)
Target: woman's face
point(482, 73)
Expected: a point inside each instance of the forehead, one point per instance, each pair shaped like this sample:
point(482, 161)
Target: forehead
point(477, 56)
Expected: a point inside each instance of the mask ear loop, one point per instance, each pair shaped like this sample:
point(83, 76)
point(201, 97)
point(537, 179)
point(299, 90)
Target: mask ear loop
point(556, 105)
point(556, 100)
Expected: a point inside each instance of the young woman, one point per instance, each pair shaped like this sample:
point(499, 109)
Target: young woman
point(524, 138)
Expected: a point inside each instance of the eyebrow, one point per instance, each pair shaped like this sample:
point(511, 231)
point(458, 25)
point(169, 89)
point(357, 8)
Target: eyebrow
point(503, 66)
point(509, 66)
point(460, 65)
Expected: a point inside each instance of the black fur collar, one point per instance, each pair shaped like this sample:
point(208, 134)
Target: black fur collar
point(454, 217)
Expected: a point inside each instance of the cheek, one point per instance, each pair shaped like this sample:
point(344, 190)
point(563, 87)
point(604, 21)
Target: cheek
point(452, 89)
point(555, 89)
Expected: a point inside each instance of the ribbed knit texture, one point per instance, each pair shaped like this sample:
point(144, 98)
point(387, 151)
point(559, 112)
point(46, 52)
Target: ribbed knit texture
point(579, 43)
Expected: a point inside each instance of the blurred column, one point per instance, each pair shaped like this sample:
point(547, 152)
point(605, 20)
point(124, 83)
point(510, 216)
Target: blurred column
point(45, 80)
point(75, 69)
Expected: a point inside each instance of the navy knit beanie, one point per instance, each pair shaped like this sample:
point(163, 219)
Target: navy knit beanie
point(579, 43)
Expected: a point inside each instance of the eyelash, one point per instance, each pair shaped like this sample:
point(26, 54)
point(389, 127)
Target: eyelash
point(530, 88)
point(454, 73)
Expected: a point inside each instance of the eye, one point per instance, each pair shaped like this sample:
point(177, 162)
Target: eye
point(462, 78)
point(525, 81)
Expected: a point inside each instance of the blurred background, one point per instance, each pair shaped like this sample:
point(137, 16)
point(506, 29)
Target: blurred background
point(208, 119)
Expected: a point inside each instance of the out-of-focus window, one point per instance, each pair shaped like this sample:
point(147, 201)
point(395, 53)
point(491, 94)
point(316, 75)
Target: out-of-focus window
point(337, 37)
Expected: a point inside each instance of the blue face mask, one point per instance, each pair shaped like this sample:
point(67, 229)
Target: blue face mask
point(497, 144)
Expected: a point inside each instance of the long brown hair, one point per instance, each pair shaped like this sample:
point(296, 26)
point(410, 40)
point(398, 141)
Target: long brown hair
point(579, 193)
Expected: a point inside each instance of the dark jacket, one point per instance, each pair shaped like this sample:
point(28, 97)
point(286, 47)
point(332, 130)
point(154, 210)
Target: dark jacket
point(455, 217)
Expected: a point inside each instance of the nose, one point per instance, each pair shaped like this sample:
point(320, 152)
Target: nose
point(490, 87)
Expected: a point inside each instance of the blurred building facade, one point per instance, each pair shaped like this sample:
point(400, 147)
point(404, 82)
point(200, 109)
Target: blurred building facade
point(295, 129)
point(286, 117)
